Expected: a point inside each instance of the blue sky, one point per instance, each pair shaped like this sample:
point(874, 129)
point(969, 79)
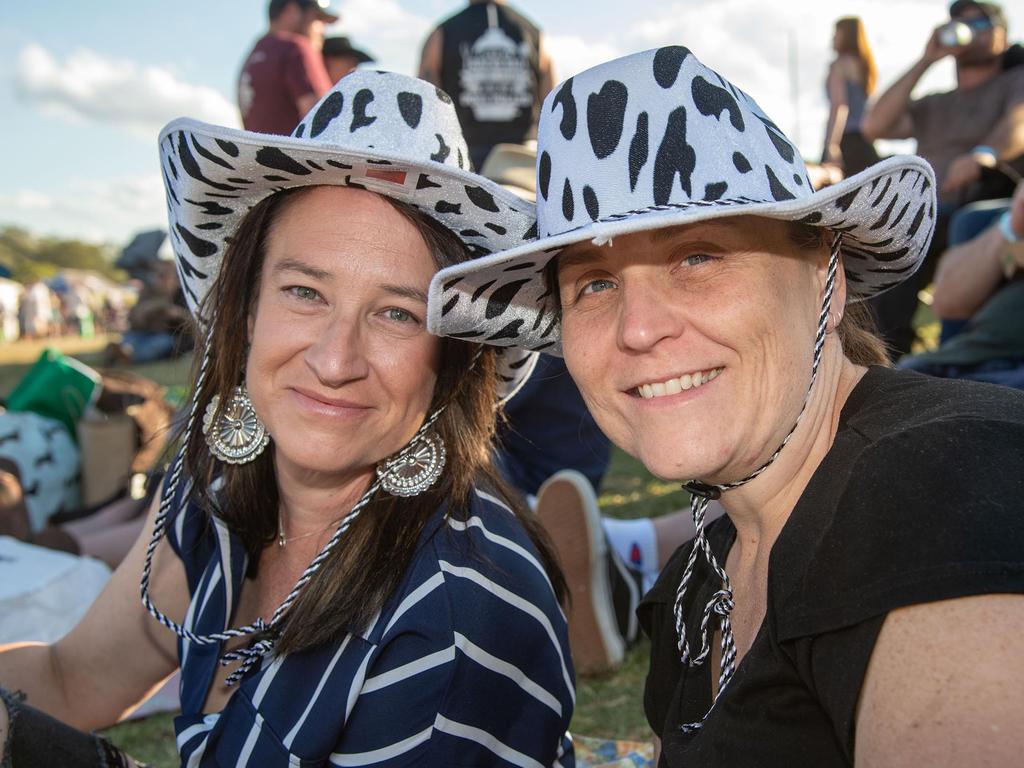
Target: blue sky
point(85, 86)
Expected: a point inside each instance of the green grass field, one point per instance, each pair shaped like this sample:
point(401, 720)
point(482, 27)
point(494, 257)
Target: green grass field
point(606, 707)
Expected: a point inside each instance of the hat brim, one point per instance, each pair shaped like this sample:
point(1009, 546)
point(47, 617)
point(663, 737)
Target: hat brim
point(214, 175)
point(886, 216)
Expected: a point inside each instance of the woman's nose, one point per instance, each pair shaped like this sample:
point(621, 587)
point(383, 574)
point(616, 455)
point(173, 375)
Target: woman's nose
point(338, 355)
point(646, 315)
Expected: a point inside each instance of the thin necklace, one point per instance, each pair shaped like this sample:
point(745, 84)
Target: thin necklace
point(282, 540)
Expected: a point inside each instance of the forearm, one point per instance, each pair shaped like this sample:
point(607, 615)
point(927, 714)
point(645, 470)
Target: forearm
point(967, 275)
point(883, 119)
point(836, 126)
point(1007, 136)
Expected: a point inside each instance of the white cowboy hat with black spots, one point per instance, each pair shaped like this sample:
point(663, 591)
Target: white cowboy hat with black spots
point(388, 133)
point(657, 139)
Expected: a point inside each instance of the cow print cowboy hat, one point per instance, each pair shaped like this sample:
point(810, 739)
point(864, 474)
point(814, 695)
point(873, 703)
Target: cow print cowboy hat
point(380, 131)
point(657, 139)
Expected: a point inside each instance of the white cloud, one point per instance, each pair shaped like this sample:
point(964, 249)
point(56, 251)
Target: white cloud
point(392, 34)
point(89, 209)
point(95, 88)
point(571, 54)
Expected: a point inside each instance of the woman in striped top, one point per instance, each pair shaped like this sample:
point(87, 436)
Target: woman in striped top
point(360, 588)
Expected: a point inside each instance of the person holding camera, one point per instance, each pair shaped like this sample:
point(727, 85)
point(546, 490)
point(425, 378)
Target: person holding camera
point(976, 126)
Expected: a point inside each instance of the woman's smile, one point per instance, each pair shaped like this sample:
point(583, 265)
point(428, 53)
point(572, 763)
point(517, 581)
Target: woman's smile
point(322, 405)
point(675, 385)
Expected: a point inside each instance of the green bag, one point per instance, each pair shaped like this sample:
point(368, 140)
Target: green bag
point(57, 387)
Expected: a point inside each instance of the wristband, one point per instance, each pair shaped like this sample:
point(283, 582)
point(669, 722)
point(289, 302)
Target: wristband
point(984, 149)
point(1006, 229)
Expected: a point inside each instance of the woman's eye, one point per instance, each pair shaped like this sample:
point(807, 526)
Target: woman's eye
point(399, 315)
point(597, 286)
point(304, 293)
point(696, 258)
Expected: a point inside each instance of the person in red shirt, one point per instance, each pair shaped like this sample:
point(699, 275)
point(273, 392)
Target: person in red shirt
point(284, 74)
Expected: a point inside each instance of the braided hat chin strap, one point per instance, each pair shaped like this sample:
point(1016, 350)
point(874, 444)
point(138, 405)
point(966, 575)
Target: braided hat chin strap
point(264, 633)
point(721, 602)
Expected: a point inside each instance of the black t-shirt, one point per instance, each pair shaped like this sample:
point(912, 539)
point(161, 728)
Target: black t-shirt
point(490, 65)
point(919, 499)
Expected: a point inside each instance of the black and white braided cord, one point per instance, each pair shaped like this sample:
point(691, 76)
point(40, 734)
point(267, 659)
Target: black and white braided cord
point(264, 633)
point(721, 602)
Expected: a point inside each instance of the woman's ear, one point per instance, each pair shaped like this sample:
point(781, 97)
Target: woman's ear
point(839, 290)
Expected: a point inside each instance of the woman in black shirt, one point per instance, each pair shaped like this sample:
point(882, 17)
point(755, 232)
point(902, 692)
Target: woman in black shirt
point(860, 604)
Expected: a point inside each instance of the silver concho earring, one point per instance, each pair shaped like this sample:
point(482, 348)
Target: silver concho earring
point(414, 469)
point(237, 436)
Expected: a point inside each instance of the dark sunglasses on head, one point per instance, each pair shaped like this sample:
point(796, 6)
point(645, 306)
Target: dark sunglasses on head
point(979, 24)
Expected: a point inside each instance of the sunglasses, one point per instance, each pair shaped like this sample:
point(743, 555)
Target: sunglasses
point(979, 24)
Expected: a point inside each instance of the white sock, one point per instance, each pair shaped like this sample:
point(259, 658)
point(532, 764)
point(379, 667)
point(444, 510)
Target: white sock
point(635, 543)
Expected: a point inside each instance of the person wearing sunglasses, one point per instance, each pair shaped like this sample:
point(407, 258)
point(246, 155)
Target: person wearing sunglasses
point(976, 126)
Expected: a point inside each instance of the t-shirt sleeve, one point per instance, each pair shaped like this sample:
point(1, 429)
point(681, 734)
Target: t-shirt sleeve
point(929, 514)
point(304, 72)
point(833, 665)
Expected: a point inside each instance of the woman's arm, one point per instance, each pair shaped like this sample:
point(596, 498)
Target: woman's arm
point(968, 274)
point(115, 656)
point(945, 686)
point(838, 112)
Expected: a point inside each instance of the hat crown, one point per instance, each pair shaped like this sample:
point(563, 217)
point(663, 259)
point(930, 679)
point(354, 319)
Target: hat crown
point(656, 129)
point(388, 113)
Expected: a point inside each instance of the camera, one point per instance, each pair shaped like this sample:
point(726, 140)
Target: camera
point(954, 34)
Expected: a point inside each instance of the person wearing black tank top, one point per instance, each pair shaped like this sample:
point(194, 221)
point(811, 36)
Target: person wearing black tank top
point(861, 603)
point(492, 61)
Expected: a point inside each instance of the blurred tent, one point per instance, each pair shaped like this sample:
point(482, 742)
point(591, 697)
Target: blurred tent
point(11, 292)
point(141, 254)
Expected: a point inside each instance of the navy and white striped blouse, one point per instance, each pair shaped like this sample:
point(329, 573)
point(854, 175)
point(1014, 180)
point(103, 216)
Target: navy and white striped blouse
point(466, 665)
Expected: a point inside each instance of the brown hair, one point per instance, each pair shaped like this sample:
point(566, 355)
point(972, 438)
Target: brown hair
point(371, 558)
point(852, 39)
point(856, 331)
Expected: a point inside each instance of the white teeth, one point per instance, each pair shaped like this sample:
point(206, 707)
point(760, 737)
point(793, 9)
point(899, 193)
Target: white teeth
point(675, 386)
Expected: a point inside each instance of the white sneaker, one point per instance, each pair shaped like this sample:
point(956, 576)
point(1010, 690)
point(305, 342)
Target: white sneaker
point(567, 510)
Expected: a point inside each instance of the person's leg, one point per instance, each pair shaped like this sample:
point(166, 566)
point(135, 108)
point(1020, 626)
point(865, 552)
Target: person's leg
point(112, 515)
point(636, 544)
point(33, 739)
point(111, 544)
point(647, 543)
point(144, 347)
point(970, 221)
point(1009, 372)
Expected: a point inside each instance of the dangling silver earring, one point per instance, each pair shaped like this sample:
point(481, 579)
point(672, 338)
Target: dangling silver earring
point(414, 469)
point(237, 436)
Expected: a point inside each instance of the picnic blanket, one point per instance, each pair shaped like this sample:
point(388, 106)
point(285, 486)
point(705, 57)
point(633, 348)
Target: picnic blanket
point(609, 753)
